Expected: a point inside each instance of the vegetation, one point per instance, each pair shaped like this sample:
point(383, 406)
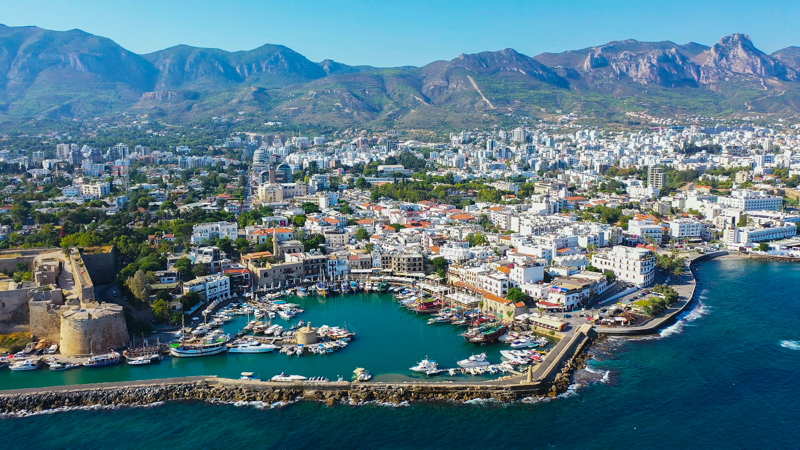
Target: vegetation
point(671, 263)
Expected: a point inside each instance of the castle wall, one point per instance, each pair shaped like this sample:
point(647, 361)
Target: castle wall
point(101, 263)
point(93, 330)
point(13, 309)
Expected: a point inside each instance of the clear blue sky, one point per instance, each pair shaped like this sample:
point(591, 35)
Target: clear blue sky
point(415, 32)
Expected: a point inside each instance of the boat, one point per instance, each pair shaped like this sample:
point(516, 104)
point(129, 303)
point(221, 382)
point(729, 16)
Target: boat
point(478, 360)
point(247, 376)
point(485, 334)
point(361, 374)
point(523, 343)
point(191, 349)
point(301, 292)
point(283, 377)
point(104, 360)
point(56, 366)
point(425, 366)
point(24, 365)
point(139, 361)
point(322, 289)
point(354, 286)
point(251, 347)
point(382, 286)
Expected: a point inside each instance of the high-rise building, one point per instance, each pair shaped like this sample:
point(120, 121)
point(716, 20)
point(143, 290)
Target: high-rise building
point(656, 178)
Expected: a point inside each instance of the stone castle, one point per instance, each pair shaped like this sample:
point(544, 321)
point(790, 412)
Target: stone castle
point(59, 304)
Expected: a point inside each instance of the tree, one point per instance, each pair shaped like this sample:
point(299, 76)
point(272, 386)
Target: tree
point(199, 270)
point(362, 183)
point(477, 239)
point(313, 241)
point(361, 234)
point(184, 268)
point(763, 247)
point(161, 310)
point(516, 294)
point(242, 245)
point(310, 208)
point(440, 266)
point(742, 221)
point(299, 221)
point(139, 285)
point(610, 275)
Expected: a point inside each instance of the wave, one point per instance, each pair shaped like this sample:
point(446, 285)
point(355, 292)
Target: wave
point(700, 310)
point(605, 374)
point(791, 345)
point(62, 409)
point(482, 401)
point(262, 405)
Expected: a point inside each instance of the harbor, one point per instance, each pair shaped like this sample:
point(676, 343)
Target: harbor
point(387, 340)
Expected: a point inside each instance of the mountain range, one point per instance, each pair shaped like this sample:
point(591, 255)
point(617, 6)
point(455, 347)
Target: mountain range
point(72, 74)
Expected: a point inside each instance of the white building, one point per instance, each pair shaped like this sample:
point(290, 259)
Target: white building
point(749, 200)
point(204, 232)
point(633, 265)
point(95, 190)
point(210, 287)
point(749, 235)
point(687, 228)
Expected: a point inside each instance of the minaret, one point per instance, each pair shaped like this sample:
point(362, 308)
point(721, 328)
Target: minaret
point(275, 249)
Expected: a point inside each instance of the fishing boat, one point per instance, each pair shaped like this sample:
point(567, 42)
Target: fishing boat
point(301, 292)
point(191, 349)
point(361, 374)
point(485, 334)
point(24, 365)
point(104, 360)
point(251, 347)
point(354, 287)
point(382, 286)
point(426, 306)
point(478, 360)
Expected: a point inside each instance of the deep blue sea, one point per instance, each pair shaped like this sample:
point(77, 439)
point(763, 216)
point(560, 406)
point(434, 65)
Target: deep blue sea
point(724, 376)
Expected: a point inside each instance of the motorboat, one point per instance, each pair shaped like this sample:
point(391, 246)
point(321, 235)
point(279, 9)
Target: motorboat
point(24, 365)
point(425, 366)
point(251, 347)
point(56, 366)
point(361, 374)
point(478, 360)
point(283, 377)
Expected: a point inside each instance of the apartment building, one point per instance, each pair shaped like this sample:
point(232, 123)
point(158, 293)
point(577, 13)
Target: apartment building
point(629, 264)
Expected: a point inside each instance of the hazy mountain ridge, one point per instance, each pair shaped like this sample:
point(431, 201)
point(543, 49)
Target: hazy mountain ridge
point(73, 74)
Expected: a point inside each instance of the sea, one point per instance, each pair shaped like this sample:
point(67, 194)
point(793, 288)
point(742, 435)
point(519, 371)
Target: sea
point(725, 375)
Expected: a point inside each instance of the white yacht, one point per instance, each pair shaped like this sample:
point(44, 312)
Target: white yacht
point(478, 360)
point(283, 377)
point(27, 364)
point(425, 366)
point(250, 347)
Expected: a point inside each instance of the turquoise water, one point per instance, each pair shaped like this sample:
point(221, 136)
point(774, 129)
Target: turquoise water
point(389, 340)
point(723, 377)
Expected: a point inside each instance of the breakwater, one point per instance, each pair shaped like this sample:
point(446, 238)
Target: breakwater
point(222, 390)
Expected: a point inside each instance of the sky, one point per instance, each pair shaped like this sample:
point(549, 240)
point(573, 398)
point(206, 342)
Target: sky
point(409, 32)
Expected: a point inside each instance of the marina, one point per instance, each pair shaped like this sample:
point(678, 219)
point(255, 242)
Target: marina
point(368, 330)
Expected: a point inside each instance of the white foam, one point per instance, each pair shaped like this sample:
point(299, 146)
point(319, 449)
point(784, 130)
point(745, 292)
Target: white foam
point(700, 310)
point(482, 401)
point(791, 345)
point(25, 413)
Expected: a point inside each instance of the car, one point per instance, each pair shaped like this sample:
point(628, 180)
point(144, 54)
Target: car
point(604, 310)
point(568, 316)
